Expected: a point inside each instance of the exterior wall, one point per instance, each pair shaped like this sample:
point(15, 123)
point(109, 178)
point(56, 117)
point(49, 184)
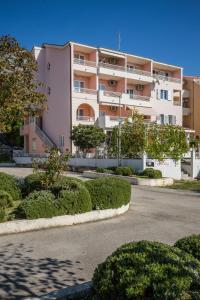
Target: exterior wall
point(192, 108)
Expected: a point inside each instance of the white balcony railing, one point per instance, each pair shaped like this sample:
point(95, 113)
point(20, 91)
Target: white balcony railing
point(139, 97)
point(85, 91)
point(83, 62)
point(85, 118)
point(167, 78)
point(139, 72)
point(113, 67)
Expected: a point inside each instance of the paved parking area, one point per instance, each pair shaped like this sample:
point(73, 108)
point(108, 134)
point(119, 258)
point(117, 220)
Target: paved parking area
point(36, 263)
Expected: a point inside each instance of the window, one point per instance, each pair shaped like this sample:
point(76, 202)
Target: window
point(33, 144)
point(102, 87)
point(61, 140)
point(79, 57)
point(102, 113)
point(32, 120)
point(78, 85)
point(130, 93)
point(164, 94)
point(48, 66)
point(167, 119)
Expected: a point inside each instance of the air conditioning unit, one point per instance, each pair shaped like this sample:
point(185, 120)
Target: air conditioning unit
point(112, 82)
point(139, 87)
point(113, 108)
point(112, 60)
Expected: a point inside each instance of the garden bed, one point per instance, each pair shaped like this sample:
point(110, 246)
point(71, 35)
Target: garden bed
point(135, 180)
point(66, 220)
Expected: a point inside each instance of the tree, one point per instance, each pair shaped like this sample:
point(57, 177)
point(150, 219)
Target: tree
point(18, 87)
point(166, 141)
point(158, 141)
point(87, 136)
point(132, 136)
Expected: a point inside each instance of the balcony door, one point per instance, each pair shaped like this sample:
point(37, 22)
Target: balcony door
point(79, 85)
point(130, 92)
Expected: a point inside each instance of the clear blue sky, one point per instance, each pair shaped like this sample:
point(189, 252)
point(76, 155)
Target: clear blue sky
point(165, 30)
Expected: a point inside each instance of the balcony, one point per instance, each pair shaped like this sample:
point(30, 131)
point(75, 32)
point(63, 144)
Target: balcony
point(85, 93)
point(125, 99)
point(167, 78)
point(85, 119)
point(138, 74)
point(109, 121)
point(85, 65)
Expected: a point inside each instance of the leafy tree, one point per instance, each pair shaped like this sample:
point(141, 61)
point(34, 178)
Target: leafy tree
point(166, 141)
point(18, 86)
point(53, 167)
point(87, 136)
point(158, 141)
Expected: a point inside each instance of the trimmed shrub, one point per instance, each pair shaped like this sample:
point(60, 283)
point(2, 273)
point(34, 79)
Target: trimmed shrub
point(147, 270)
point(9, 184)
point(2, 214)
point(5, 199)
point(109, 192)
point(152, 173)
point(124, 171)
point(190, 244)
point(39, 204)
point(72, 197)
point(33, 182)
point(104, 170)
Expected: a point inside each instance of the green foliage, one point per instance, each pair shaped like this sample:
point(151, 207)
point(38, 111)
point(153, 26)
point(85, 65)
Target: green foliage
point(124, 171)
point(87, 136)
point(4, 157)
point(53, 167)
point(5, 199)
point(2, 214)
point(39, 204)
point(147, 270)
point(33, 182)
point(133, 140)
point(18, 86)
point(65, 183)
point(166, 141)
point(151, 173)
point(109, 192)
point(190, 244)
point(73, 198)
point(9, 184)
point(104, 170)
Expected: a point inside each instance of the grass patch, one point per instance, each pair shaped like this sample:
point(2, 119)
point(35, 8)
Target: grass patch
point(190, 185)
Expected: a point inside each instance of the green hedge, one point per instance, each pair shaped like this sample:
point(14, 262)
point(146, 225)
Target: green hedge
point(190, 244)
point(151, 173)
point(109, 192)
point(2, 214)
point(147, 270)
point(72, 197)
point(104, 170)
point(6, 199)
point(9, 184)
point(33, 182)
point(124, 171)
point(39, 204)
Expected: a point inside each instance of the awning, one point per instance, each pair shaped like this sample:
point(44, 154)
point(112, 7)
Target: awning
point(143, 110)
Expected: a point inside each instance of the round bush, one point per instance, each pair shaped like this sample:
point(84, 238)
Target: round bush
point(5, 199)
point(9, 184)
point(2, 214)
point(152, 173)
point(33, 182)
point(39, 204)
point(147, 270)
point(190, 244)
point(124, 171)
point(109, 192)
point(72, 197)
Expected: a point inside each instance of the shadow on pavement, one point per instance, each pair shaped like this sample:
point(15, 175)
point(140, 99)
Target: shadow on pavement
point(22, 276)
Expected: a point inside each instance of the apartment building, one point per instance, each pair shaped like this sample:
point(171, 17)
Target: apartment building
point(90, 85)
point(191, 103)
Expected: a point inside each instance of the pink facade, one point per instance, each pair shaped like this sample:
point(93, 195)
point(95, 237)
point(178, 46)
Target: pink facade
point(84, 85)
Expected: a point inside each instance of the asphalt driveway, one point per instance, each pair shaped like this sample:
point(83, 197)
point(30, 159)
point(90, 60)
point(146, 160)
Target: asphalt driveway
point(35, 263)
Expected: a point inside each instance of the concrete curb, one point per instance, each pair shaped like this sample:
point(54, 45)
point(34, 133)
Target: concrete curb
point(67, 220)
point(133, 180)
point(171, 191)
point(77, 290)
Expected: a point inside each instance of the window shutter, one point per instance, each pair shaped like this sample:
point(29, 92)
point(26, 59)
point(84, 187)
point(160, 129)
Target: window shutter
point(169, 95)
point(157, 94)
